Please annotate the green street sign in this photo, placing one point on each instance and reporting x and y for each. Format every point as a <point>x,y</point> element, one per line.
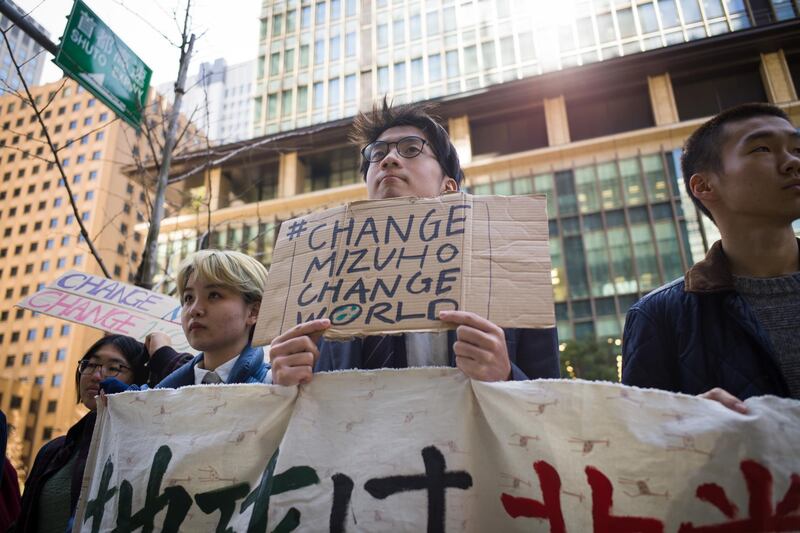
<point>96,58</point>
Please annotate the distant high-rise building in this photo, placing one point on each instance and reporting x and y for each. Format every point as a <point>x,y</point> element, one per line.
<point>218,100</point>
<point>28,53</point>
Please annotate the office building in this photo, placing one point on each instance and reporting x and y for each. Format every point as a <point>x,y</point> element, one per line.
<point>28,54</point>
<point>41,241</point>
<point>218,100</point>
<point>590,110</point>
<point>319,61</point>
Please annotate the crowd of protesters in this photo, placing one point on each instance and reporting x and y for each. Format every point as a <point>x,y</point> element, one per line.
<point>725,332</point>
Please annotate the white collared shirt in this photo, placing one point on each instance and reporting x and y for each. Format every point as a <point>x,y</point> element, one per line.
<point>223,371</point>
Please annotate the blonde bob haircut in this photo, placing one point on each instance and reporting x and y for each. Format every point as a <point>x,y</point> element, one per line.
<point>230,269</point>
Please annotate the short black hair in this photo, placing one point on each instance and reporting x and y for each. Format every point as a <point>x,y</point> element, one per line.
<point>367,127</point>
<point>132,350</point>
<point>701,152</point>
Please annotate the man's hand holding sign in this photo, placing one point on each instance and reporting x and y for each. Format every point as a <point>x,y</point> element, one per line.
<point>480,350</point>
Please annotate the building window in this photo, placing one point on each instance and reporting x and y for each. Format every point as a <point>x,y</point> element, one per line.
<point>335,47</point>
<point>350,88</point>
<point>319,95</point>
<point>332,168</point>
<point>383,80</point>
<point>400,76</point>
<point>333,92</point>
<point>48,332</point>
<point>43,356</point>
<point>61,354</point>
<point>275,64</point>
<point>52,405</point>
<point>319,52</point>
<point>613,113</point>
<point>382,35</point>
<point>319,16</point>
<point>504,134</point>
<point>707,94</point>
<point>277,25</point>
<point>286,103</point>
<point>65,329</point>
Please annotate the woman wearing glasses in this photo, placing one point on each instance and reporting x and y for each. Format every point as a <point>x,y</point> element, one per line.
<point>54,483</point>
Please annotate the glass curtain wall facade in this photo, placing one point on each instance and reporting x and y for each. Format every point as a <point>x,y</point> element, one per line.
<point>319,60</point>
<point>617,231</point>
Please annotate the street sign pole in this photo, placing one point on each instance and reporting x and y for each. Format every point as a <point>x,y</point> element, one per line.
<point>97,59</point>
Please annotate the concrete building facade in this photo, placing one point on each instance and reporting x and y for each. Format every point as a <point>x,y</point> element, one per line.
<point>41,241</point>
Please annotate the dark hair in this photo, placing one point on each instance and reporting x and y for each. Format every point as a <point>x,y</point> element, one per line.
<point>701,152</point>
<point>367,127</point>
<point>132,350</point>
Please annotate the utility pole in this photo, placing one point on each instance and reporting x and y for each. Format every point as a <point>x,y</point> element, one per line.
<point>147,268</point>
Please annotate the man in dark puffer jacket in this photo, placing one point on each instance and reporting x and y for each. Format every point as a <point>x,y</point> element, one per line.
<point>728,330</point>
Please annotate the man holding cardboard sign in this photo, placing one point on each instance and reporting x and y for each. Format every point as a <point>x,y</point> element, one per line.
<point>408,154</point>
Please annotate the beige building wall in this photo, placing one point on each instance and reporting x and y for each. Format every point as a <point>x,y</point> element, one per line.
<point>39,354</point>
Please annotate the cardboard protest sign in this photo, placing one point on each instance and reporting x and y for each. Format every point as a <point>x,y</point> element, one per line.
<point>387,266</point>
<point>428,449</point>
<point>110,306</point>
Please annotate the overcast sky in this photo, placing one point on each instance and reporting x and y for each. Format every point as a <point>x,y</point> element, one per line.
<point>224,28</point>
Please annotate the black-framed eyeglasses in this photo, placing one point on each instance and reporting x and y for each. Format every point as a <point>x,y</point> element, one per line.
<point>408,147</point>
<point>111,370</point>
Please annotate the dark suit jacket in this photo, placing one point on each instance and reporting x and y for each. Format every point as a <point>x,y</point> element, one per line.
<point>533,353</point>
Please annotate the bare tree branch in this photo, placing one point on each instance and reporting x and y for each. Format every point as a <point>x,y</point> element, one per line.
<point>149,24</point>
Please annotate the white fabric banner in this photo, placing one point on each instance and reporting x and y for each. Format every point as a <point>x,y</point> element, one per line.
<point>428,449</point>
